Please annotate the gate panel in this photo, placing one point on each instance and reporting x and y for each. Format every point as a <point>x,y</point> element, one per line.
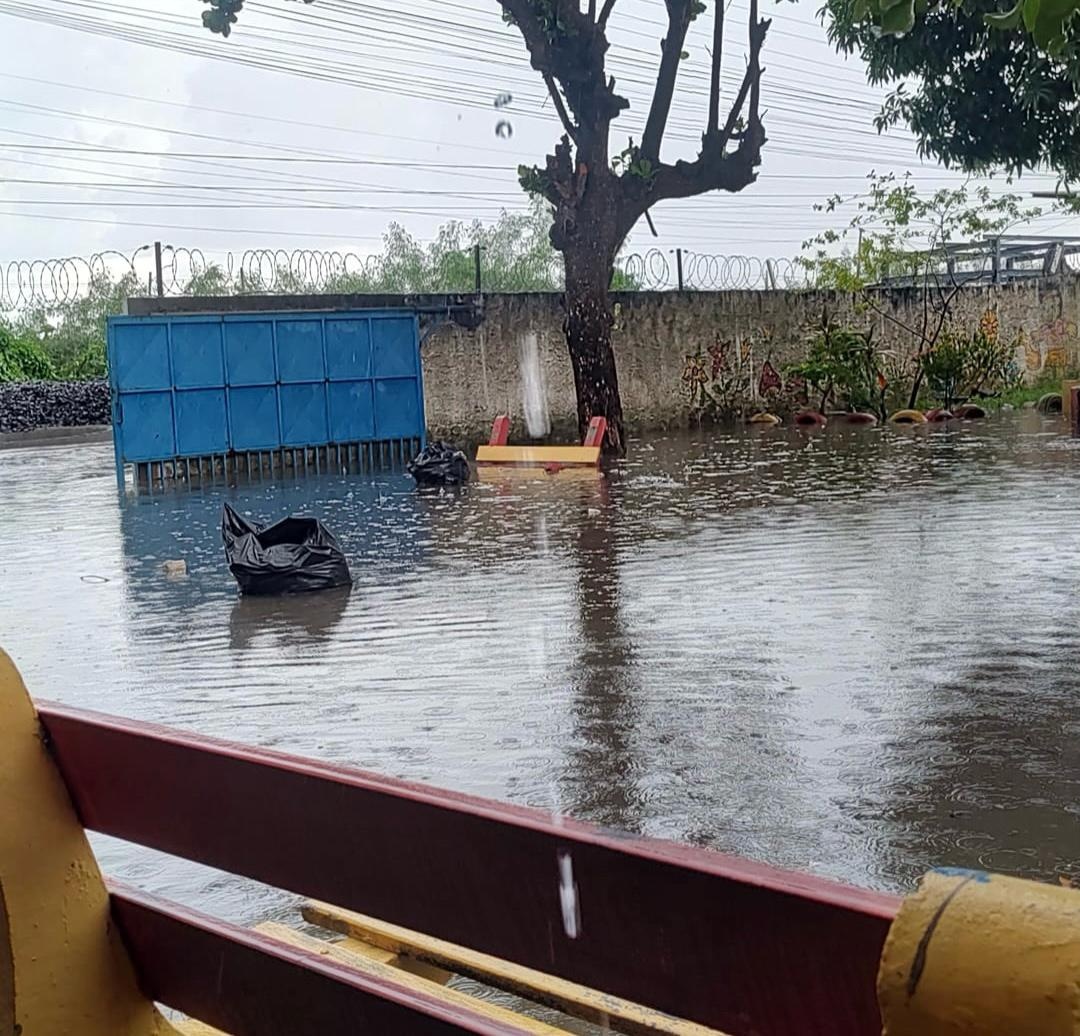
<point>352,411</point>
<point>249,352</point>
<point>141,357</point>
<point>254,416</point>
<point>196,356</point>
<point>148,425</point>
<point>300,350</point>
<point>348,349</point>
<point>393,357</point>
<point>208,386</point>
<point>201,422</point>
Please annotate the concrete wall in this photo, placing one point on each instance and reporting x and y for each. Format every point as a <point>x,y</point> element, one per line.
<point>471,375</point>
<point>475,367</point>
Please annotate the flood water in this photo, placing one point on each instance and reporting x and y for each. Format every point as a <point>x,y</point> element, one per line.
<point>855,653</point>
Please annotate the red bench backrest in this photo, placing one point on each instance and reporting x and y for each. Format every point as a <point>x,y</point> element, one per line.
<point>731,944</point>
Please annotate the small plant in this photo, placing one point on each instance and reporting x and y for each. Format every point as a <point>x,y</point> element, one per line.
<point>966,365</point>
<point>844,368</point>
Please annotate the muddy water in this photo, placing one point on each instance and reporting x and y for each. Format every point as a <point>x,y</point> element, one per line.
<point>856,653</point>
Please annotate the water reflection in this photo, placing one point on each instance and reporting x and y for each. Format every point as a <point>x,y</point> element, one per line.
<point>306,623</point>
<point>602,769</point>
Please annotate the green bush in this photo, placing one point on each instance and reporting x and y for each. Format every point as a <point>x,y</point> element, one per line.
<point>843,367</point>
<point>966,365</point>
<point>22,358</point>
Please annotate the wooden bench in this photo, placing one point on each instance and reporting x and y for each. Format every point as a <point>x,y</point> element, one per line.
<point>553,459</point>
<point>636,936</point>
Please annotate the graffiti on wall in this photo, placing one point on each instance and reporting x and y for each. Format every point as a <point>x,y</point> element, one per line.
<point>724,378</point>
<point>1052,347</point>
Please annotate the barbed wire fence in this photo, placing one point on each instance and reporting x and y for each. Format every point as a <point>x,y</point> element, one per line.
<point>170,271</point>
<point>165,270</point>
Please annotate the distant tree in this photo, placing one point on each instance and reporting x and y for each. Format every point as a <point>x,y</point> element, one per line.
<point>597,198</point>
<point>902,236</point>
<point>895,232</point>
<point>975,97</point>
<point>72,333</point>
<point>516,254</point>
<point>22,358</point>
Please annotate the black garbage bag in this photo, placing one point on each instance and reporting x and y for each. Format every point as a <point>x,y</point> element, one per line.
<point>293,556</point>
<point>440,464</point>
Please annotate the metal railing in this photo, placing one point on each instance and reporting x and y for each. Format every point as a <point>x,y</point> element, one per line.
<point>994,260</point>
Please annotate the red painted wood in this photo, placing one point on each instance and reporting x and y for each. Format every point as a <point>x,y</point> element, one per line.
<point>500,431</point>
<point>597,430</point>
<point>249,985</point>
<point>733,944</point>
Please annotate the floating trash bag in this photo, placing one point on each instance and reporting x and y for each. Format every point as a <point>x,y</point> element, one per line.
<point>440,464</point>
<point>293,556</point>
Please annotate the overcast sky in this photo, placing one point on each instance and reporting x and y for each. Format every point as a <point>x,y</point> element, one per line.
<point>414,90</point>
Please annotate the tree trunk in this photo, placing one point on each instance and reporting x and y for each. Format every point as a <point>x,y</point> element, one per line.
<point>588,325</point>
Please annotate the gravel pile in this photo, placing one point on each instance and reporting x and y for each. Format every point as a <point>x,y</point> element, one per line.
<point>52,404</point>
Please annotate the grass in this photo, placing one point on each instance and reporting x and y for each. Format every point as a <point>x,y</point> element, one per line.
<point>1030,392</point>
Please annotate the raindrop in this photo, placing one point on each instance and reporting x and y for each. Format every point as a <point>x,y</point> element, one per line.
<point>503,99</point>
<point>568,896</point>
<point>503,129</point>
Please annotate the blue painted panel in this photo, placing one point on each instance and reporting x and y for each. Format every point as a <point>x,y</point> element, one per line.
<point>397,408</point>
<point>395,352</point>
<point>303,415</point>
<point>249,352</point>
<point>253,414</point>
<point>348,349</point>
<point>196,355</point>
<point>300,350</point>
<point>140,358</point>
<point>352,411</point>
<point>193,385</point>
<point>147,426</point>
<point>201,425</point>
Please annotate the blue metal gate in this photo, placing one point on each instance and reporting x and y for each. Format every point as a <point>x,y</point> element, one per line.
<point>291,389</point>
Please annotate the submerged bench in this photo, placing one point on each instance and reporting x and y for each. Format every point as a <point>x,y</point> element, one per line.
<point>420,886</point>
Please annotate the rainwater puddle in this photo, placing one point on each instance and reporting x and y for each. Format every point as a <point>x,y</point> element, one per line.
<point>856,653</point>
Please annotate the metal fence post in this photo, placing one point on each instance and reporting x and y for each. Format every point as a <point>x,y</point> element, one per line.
<point>476,263</point>
<point>157,269</point>
<point>678,266</point>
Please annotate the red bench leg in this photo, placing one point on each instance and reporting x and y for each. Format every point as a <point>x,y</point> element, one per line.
<point>597,430</point>
<point>500,431</point>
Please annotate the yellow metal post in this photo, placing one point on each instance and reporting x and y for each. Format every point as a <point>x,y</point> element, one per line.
<point>983,955</point>
<point>63,968</point>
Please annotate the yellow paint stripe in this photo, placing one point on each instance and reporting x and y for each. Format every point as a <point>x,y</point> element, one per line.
<point>385,972</point>
<point>190,1027</point>
<point>586,455</point>
<point>569,997</point>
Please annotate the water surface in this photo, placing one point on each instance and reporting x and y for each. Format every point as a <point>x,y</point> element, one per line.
<point>855,653</point>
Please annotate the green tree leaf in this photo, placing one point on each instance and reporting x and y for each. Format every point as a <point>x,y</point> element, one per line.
<point>899,19</point>
<point>1006,19</point>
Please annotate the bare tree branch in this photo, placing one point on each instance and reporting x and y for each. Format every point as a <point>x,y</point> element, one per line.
<point>592,10</point>
<point>734,115</point>
<point>556,98</point>
<point>715,168</point>
<point>757,36</point>
<point>670,58</point>
<point>605,13</point>
<point>717,60</point>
